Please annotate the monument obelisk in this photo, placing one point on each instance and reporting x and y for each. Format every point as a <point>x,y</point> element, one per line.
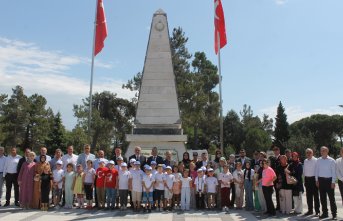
<point>158,121</point>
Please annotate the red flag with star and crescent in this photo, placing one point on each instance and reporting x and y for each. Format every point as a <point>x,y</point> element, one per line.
<point>219,26</point>
<point>101,28</point>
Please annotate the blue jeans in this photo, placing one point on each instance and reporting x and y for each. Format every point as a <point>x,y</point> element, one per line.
<point>249,203</point>
<point>111,195</point>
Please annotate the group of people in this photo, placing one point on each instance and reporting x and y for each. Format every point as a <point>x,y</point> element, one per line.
<point>161,183</point>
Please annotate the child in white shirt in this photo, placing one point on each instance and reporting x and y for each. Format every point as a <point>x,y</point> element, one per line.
<point>148,183</point>
<point>123,185</point>
<point>238,178</point>
<point>225,178</point>
<point>168,190</point>
<point>159,187</point>
<point>58,175</point>
<point>136,182</point>
<point>211,188</point>
<point>186,183</point>
<point>199,185</point>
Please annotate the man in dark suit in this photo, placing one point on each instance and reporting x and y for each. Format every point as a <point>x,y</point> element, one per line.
<point>275,162</point>
<point>203,162</point>
<point>117,153</point>
<point>139,157</point>
<point>242,158</point>
<point>155,157</point>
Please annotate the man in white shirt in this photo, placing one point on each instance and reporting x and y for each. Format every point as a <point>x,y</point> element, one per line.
<point>310,183</point>
<point>2,165</point>
<point>11,176</point>
<point>43,151</point>
<point>339,169</point>
<point>325,180</point>
<point>70,157</point>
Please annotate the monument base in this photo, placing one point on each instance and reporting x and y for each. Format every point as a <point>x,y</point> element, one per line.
<point>174,143</point>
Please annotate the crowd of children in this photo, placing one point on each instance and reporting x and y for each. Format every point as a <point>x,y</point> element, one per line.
<point>158,187</point>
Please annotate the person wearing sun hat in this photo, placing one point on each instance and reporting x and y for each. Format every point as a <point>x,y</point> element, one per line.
<point>123,185</point>
<point>110,185</point>
<point>136,183</point>
<point>148,183</point>
<point>211,183</point>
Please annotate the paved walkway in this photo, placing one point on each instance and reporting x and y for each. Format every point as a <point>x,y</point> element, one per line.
<point>14,213</point>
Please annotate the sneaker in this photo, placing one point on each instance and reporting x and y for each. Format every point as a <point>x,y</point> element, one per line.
<point>323,216</point>
<point>224,209</point>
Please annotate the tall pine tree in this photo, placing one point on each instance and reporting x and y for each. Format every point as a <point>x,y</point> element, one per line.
<point>281,132</point>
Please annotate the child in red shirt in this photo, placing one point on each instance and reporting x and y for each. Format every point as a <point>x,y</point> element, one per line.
<point>100,183</point>
<point>111,181</point>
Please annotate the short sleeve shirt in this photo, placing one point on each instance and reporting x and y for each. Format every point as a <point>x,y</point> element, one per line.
<point>226,179</point>
<point>89,173</point>
<point>159,179</point>
<point>170,179</point>
<point>137,177</point>
<point>58,176</point>
<point>185,181</point>
<point>148,180</point>
<point>124,180</point>
<point>212,184</point>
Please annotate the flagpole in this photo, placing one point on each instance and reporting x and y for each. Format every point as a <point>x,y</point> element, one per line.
<point>220,98</point>
<point>92,72</point>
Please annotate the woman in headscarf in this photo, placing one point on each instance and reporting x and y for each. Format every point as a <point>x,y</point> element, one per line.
<point>186,160</point>
<point>296,170</point>
<point>25,181</point>
<point>39,168</point>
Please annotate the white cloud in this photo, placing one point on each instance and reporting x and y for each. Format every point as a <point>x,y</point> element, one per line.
<point>49,74</point>
<point>295,113</point>
<point>280,2</point>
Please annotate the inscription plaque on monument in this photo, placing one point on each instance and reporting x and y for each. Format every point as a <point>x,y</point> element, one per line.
<point>158,121</point>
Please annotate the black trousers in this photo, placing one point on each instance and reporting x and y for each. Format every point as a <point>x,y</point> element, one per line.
<point>200,200</point>
<point>312,194</point>
<point>233,194</point>
<point>277,195</point>
<point>12,179</point>
<point>340,185</point>
<point>267,193</point>
<point>326,190</point>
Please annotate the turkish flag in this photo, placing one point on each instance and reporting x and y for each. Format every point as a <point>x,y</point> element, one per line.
<point>101,28</point>
<point>219,26</point>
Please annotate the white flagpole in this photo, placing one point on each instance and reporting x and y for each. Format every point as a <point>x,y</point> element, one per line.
<point>92,71</point>
<point>220,97</point>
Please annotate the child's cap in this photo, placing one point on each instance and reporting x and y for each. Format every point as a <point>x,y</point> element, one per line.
<point>200,170</point>
<point>59,162</point>
<point>210,170</point>
<point>148,168</point>
<point>168,168</point>
<point>79,165</point>
<point>137,162</point>
<point>160,165</point>
<point>120,158</point>
<point>153,163</point>
<point>123,165</point>
<point>203,168</point>
<point>102,161</point>
<point>132,160</point>
<point>111,162</point>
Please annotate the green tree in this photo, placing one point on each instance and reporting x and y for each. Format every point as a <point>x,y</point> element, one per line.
<point>281,132</point>
<point>57,136</point>
<point>233,131</point>
<point>111,118</point>
<point>39,122</point>
<point>77,137</point>
<point>15,117</point>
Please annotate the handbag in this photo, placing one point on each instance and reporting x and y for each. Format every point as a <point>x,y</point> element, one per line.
<point>291,180</point>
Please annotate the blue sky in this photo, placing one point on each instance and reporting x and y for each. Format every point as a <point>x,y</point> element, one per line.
<point>278,50</point>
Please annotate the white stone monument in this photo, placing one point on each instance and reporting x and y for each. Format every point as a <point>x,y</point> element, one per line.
<point>158,121</point>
